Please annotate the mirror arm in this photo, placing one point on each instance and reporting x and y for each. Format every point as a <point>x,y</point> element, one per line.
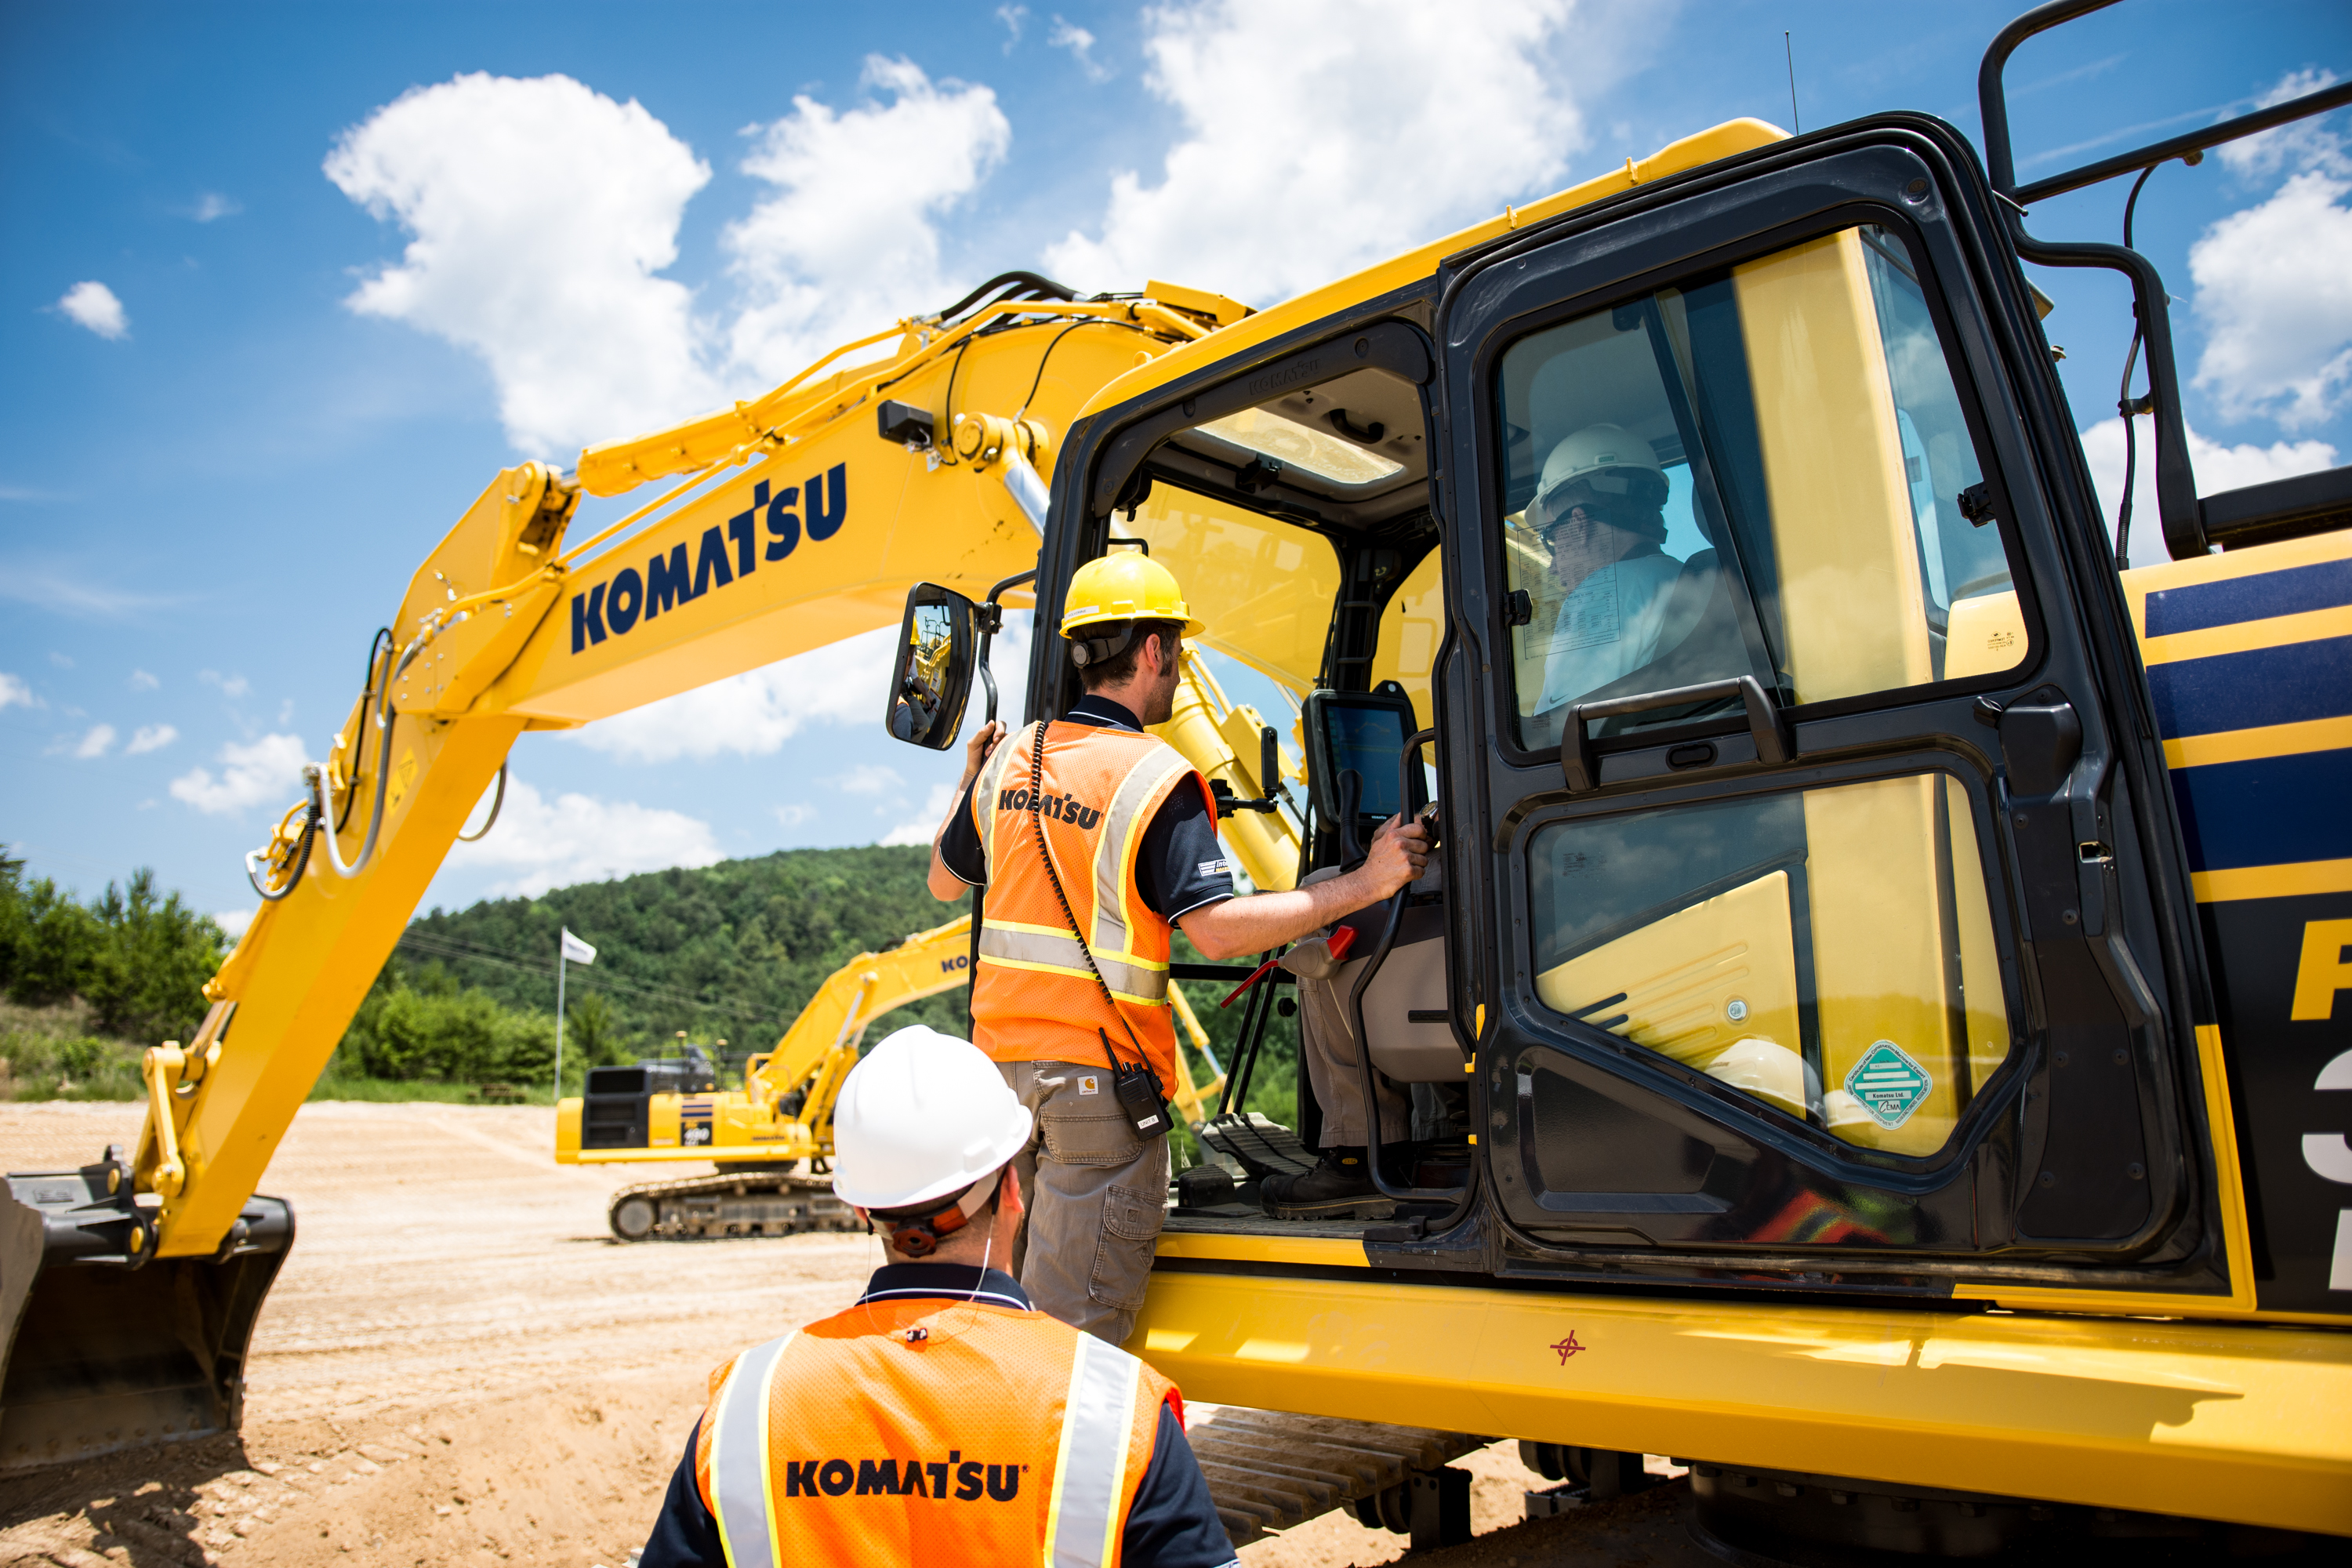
<point>991,621</point>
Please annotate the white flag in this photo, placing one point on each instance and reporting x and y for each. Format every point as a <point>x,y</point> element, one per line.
<point>577,951</point>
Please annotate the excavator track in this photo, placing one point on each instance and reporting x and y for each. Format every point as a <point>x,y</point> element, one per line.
<point>732,1203</point>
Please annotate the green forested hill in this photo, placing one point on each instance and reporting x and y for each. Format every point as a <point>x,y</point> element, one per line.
<point>729,952</point>
<point>732,951</point>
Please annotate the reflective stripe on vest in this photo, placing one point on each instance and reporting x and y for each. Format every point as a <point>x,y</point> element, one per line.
<point>983,798</point>
<point>738,1458</point>
<point>1083,1521</point>
<point>1052,952</point>
<point>1122,827</point>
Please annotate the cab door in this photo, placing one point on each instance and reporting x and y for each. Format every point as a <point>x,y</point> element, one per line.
<point>1830,896</point>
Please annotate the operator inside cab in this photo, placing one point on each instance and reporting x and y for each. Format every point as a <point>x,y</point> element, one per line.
<point>1096,841</point>
<point>940,1418</point>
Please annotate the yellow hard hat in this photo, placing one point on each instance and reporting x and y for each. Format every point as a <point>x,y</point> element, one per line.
<point>1125,585</point>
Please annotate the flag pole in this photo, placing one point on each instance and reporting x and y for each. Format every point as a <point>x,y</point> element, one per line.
<point>559,1020</point>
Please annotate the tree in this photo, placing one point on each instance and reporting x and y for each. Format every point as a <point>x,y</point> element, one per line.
<point>149,977</point>
<point>60,946</point>
<point>591,1031</point>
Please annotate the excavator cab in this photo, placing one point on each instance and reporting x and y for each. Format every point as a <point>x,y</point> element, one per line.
<point>1806,894</point>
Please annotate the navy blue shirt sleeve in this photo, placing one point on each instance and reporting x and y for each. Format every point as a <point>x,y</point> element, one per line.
<point>1181,865</point>
<point>1173,1523</point>
<point>685,1534</point>
<point>960,845</point>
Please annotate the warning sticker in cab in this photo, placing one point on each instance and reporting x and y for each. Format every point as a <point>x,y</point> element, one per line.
<point>1889,1083</point>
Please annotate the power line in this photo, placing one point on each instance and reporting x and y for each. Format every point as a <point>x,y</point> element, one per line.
<point>438,946</point>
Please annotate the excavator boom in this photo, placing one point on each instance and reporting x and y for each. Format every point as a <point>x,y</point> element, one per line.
<point>801,518</point>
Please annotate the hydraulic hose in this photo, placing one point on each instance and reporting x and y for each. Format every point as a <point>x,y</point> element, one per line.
<point>301,858</point>
<point>315,777</point>
<point>497,802</point>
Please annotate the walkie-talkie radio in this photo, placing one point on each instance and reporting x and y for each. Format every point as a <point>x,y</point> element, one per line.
<point>1140,1096</point>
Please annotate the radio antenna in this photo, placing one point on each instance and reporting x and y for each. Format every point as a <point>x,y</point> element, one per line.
<point>1789,49</point>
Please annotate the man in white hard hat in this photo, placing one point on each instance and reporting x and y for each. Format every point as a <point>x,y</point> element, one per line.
<point>1600,505</point>
<point>941,1419</point>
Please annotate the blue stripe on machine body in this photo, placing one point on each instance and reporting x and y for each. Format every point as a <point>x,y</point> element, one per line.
<point>2270,811</point>
<point>2260,687</point>
<point>2260,597</point>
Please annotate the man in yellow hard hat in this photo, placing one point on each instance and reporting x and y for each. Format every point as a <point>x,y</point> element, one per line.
<point>1095,842</point>
<point>941,1419</point>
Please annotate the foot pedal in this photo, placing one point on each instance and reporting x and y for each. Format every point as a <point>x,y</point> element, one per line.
<point>1264,1148</point>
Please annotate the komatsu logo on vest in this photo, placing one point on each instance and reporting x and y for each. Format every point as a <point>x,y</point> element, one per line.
<point>965,1480</point>
<point>616,607</point>
<point>1060,807</point>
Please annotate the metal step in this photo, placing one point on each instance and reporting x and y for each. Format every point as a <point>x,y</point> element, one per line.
<point>1269,1470</point>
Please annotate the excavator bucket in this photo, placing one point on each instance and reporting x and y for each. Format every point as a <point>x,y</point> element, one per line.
<point>108,1346</point>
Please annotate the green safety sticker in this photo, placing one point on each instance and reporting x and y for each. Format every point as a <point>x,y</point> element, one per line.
<point>1889,1083</point>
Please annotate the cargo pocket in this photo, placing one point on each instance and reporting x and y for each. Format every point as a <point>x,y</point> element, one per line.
<point>1089,1140</point>
<point>1131,1222</point>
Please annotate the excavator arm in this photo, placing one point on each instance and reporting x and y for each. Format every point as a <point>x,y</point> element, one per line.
<point>128,1288</point>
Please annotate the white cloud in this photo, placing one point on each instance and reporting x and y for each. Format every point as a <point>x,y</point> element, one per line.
<point>1321,136</point>
<point>1081,43</point>
<point>580,838</point>
<point>151,738</point>
<point>754,713</point>
<point>848,243</point>
<point>917,829</point>
<point>1012,16</point>
<point>793,816</point>
<point>213,206</point>
<point>93,305</point>
<point>13,692</point>
<point>269,770</point>
<point>2218,467</point>
<point>234,921</point>
<point>93,744</point>
<point>142,681</point>
<point>2274,280</point>
<point>867,778</point>
<point>2306,143</point>
<point>230,686</point>
<point>63,662</point>
<point>542,212</point>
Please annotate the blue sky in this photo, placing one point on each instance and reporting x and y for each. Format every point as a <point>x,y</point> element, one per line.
<point>241,409</point>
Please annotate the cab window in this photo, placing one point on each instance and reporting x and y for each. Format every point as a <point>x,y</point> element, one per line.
<point>1758,471</point>
<point>1828,953</point>
<point>1263,586</point>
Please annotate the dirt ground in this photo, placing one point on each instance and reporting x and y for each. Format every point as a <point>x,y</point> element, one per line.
<point>458,1366</point>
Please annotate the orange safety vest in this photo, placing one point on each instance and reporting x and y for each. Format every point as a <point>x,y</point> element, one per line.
<point>932,1431</point>
<point>1033,997</point>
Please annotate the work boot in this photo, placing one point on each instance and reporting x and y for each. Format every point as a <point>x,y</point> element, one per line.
<point>1338,1187</point>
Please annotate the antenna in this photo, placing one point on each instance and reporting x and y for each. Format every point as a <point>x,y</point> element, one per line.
<point>1789,49</point>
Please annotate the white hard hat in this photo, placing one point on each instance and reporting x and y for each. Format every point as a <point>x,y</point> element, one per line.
<point>924,1115</point>
<point>1609,456</point>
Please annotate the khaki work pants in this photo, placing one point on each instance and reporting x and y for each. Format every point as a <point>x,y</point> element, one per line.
<point>1097,1195</point>
<point>1328,1046</point>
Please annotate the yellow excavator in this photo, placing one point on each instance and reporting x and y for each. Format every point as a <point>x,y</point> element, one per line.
<point>770,1138</point>
<point>1874,1023</point>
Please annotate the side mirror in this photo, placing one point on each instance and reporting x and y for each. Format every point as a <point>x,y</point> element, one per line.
<point>932,676</point>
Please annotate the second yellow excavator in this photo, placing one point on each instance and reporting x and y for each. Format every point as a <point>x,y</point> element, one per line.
<point>770,1137</point>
